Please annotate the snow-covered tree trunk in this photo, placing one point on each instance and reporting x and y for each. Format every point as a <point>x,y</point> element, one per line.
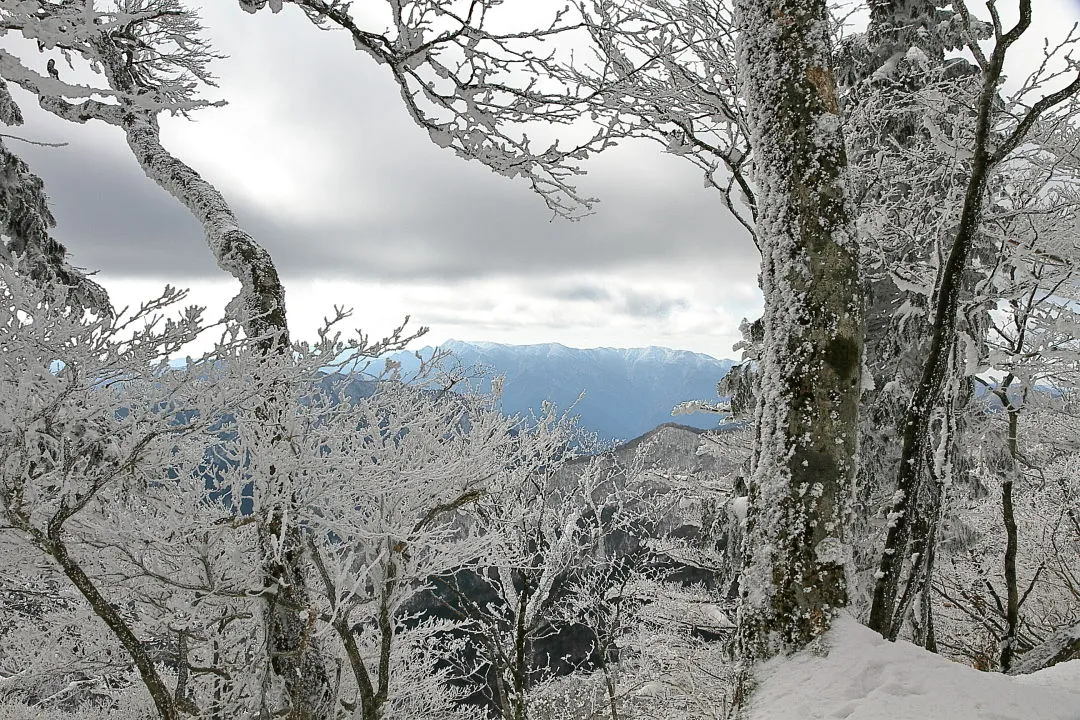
<point>260,306</point>
<point>988,149</point>
<point>295,655</point>
<point>904,53</point>
<point>794,576</point>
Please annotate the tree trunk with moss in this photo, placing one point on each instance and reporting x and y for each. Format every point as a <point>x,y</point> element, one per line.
<point>794,574</point>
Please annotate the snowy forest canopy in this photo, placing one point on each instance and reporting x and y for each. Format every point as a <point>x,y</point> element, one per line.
<point>265,531</point>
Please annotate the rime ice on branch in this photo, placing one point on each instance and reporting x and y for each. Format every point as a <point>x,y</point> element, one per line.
<point>477,82</point>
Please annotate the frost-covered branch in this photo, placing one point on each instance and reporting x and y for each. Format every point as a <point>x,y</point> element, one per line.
<point>92,417</point>
<point>25,221</point>
<point>666,71</point>
<point>478,85</point>
<point>886,615</point>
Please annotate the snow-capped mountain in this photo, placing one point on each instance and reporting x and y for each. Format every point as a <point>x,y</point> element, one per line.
<point>627,392</point>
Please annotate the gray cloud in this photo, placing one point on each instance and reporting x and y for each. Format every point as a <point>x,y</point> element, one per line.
<point>471,233</point>
<point>652,306</point>
<point>581,292</point>
<point>112,218</point>
<point>115,219</point>
<point>362,194</point>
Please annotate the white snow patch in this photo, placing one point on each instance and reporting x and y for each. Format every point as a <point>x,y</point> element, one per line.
<point>652,689</point>
<point>853,673</point>
<point>1062,675</point>
<point>833,551</point>
<point>917,57</point>
<point>739,506</point>
<point>716,616</point>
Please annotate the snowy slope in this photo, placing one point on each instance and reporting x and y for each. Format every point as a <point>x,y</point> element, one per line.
<point>863,677</point>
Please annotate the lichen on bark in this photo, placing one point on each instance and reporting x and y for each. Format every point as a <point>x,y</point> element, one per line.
<point>794,575</point>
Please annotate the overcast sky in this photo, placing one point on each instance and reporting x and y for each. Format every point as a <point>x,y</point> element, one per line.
<point>322,165</point>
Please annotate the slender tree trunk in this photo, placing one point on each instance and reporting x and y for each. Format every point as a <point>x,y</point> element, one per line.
<point>159,692</point>
<point>917,431</point>
<point>1008,516</point>
<point>521,653</point>
<point>917,435</point>
<point>260,306</point>
<point>294,652</point>
<point>929,640</point>
<point>894,346</point>
<point>794,578</point>
<point>369,702</point>
<point>386,625</point>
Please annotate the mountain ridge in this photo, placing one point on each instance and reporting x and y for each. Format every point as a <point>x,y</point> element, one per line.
<point>627,391</point>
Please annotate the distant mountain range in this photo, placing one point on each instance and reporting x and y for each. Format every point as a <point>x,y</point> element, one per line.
<point>627,392</point>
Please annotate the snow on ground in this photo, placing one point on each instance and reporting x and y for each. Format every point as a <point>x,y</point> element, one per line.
<point>852,673</point>
<point>1064,675</point>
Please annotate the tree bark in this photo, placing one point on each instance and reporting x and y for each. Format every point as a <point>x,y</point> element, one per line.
<point>794,577</point>
<point>1008,518</point>
<point>260,306</point>
<point>54,544</point>
<point>294,652</point>
<point>894,346</point>
<point>886,615</point>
